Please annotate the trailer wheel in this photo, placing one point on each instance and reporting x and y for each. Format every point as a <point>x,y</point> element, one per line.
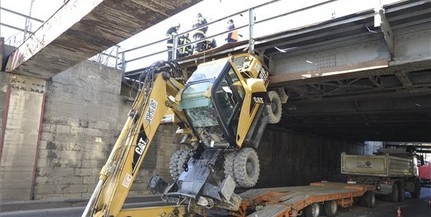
<point>246,167</point>
<point>369,199</point>
<point>313,210</point>
<point>275,109</point>
<point>330,208</point>
<point>228,164</point>
<point>394,196</point>
<point>177,162</point>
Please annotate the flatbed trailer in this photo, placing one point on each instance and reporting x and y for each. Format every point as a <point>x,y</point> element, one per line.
<point>305,200</point>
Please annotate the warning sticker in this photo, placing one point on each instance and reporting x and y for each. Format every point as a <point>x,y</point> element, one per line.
<point>127,180</point>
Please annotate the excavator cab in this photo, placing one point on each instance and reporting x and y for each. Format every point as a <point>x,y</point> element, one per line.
<point>212,103</point>
<point>224,108</point>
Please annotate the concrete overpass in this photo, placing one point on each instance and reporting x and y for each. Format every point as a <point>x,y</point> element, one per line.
<point>81,29</point>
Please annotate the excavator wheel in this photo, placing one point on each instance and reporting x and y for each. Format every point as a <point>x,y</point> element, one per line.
<point>246,167</point>
<point>275,109</point>
<point>177,162</point>
<point>228,164</point>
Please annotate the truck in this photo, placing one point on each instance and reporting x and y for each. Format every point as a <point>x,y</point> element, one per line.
<point>425,174</point>
<point>392,171</point>
<point>221,111</point>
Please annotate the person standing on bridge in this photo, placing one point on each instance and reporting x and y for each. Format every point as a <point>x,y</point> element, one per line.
<point>199,22</point>
<point>171,33</point>
<point>186,48</point>
<point>232,36</point>
<point>199,33</point>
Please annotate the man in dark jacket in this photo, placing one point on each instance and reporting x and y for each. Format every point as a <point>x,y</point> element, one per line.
<point>185,50</point>
<point>173,31</point>
<point>200,21</point>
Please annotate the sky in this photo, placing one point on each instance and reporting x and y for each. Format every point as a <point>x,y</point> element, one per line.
<point>211,9</point>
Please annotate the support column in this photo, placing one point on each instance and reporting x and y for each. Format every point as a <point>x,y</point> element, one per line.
<point>21,127</point>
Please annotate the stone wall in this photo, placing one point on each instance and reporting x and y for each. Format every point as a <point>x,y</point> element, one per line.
<point>84,114</point>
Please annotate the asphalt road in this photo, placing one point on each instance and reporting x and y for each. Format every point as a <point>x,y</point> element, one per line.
<point>409,208</point>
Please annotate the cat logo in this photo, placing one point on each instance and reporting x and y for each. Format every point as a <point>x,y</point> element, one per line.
<point>141,146</point>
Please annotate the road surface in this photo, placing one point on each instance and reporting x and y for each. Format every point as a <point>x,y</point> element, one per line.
<point>409,208</point>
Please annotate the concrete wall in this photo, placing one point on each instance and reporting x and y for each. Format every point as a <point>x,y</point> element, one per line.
<point>22,110</point>
<point>3,94</point>
<point>84,113</point>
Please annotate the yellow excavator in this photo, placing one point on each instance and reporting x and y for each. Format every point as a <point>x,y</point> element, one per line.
<point>221,112</point>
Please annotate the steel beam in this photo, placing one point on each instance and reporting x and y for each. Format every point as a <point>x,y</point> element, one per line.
<point>387,30</point>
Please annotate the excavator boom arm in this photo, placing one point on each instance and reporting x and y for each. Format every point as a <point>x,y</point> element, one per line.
<point>122,166</point>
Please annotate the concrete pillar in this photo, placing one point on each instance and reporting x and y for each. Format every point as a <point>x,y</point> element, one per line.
<point>22,105</point>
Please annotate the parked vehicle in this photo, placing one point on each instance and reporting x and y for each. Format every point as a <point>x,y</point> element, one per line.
<point>425,174</point>
<point>392,171</point>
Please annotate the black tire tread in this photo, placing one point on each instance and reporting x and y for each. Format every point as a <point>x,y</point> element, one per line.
<point>274,118</point>
<point>240,168</point>
<point>177,161</point>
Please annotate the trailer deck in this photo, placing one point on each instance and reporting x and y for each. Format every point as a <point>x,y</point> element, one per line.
<point>290,201</point>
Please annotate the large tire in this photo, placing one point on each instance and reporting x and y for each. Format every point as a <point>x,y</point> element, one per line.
<point>228,164</point>
<point>177,162</point>
<point>330,208</point>
<point>369,199</point>
<point>394,196</point>
<point>275,109</point>
<point>246,168</point>
<point>417,193</point>
<point>313,210</point>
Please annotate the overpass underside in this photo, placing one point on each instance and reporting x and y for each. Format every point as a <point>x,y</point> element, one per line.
<point>81,29</point>
<point>349,78</point>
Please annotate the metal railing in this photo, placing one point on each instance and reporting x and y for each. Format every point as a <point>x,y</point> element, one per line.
<point>23,33</point>
<point>249,27</point>
<point>109,57</point>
